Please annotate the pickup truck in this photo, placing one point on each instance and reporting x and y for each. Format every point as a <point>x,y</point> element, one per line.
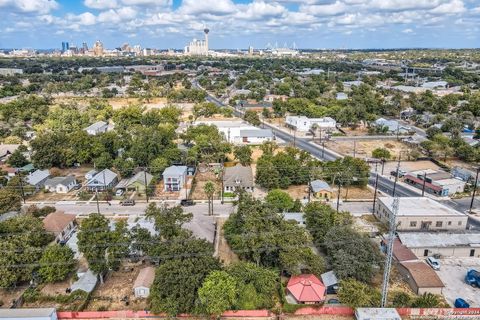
<point>473,278</point>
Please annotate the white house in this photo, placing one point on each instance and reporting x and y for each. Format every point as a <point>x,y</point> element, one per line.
<point>239,132</point>
<point>97,128</point>
<point>60,184</point>
<point>90,174</point>
<point>103,180</point>
<point>141,286</point>
<point>302,123</point>
<point>174,178</point>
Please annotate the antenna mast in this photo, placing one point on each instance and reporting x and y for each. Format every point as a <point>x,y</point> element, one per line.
<point>388,261</point>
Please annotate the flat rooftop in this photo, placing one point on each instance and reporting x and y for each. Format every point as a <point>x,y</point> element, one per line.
<point>420,206</point>
<point>439,240</point>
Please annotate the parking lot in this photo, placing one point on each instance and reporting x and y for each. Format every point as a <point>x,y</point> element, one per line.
<point>452,272</point>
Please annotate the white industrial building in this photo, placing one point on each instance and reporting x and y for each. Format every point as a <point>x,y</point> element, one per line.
<point>451,244</point>
<point>239,132</point>
<point>302,123</point>
<point>420,214</point>
<point>437,182</point>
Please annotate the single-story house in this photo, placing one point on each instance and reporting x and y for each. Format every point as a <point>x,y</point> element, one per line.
<point>321,189</point>
<point>27,168</point>
<point>60,184</point>
<point>105,179</point>
<point>37,178</point>
<point>330,282</point>
<point>60,224</point>
<point>174,178</point>
<point>29,314</point>
<point>306,289</point>
<point>137,182</point>
<point>87,281</point>
<point>144,281</point>
<point>238,177</point>
<point>341,96</point>
<point>90,174</point>
<point>295,216</point>
<point>421,277</point>
<point>304,124</point>
<point>393,126</point>
<point>97,128</point>
<point>255,136</point>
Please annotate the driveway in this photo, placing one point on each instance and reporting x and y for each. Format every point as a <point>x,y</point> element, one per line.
<point>452,273</point>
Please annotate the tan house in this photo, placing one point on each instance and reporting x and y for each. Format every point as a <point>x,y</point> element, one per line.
<point>59,224</point>
<point>144,281</point>
<point>321,189</point>
<point>421,277</point>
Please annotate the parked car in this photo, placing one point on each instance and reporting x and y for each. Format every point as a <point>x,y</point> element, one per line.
<point>401,173</point>
<point>187,202</point>
<point>434,263</point>
<point>119,193</point>
<point>333,301</point>
<point>473,278</point>
<point>460,303</point>
<point>127,203</point>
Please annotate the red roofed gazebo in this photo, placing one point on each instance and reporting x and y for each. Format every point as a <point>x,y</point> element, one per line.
<point>306,288</point>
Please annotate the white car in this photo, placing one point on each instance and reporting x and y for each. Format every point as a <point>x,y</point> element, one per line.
<point>434,263</point>
<point>119,192</point>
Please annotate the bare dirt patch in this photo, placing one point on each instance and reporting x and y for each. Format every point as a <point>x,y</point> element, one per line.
<point>364,148</point>
<point>117,286</point>
<point>200,180</point>
<point>353,192</point>
<point>224,253</point>
<point>408,166</point>
<point>360,131</point>
<point>8,296</point>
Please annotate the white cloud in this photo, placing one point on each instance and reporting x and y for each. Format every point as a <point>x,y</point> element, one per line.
<point>101,4</point>
<point>116,16</point>
<point>207,6</point>
<point>86,19</point>
<point>147,2</point>
<point>455,6</point>
<point>326,9</point>
<point>408,30</point>
<point>400,5</point>
<point>30,6</point>
<point>260,10</point>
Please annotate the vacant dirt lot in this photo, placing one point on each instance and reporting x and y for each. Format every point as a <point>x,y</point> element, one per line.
<point>353,192</point>
<point>224,253</point>
<point>407,166</point>
<point>7,296</point>
<point>200,180</point>
<point>117,286</point>
<point>364,148</point>
<point>361,131</point>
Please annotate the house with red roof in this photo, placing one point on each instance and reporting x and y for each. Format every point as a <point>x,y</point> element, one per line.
<point>306,289</point>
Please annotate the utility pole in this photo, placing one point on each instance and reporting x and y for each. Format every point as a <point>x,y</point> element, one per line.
<point>338,195</point>
<point>21,188</point>
<point>424,183</point>
<point>96,197</point>
<point>354,148</point>
<point>294,137</point>
<point>309,186</point>
<point>383,165</point>
<point>323,150</point>
<point>388,261</point>
<point>223,171</point>
<point>146,183</point>
<point>375,193</point>
<point>396,175</point>
<point>474,191</point>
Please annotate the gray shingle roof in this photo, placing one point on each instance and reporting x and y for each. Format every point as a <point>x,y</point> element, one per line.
<point>329,278</point>
<point>238,176</point>
<point>108,174</point>
<point>86,282</point>
<point>253,133</point>
<point>37,176</point>
<point>53,182</point>
<point>175,171</point>
<point>96,125</point>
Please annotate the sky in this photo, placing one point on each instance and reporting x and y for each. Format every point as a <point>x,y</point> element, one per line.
<point>237,24</point>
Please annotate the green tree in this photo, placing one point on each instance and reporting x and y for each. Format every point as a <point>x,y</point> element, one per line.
<point>17,159</point>
<point>10,200</point>
<point>243,154</point>
<point>177,281</point>
<point>356,294</point>
<point>209,189</point>
<point>279,200</point>
<point>427,300</point>
<point>158,165</point>
<point>320,218</point>
<point>56,263</point>
<point>94,239</point>
<point>401,300</point>
<point>218,292</point>
<point>168,221</point>
<point>252,117</point>
<point>381,153</point>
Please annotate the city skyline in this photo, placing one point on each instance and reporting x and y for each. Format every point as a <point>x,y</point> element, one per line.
<point>311,24</point>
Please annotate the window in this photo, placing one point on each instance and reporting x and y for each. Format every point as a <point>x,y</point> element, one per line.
<point>439,224</point>
<point>413,223</point>
<point>459,223</point>
<point>425,252</point>
<point>449,223</point>
<point>472,252</point>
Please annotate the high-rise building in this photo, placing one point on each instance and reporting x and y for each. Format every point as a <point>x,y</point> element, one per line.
<point>65,46</point>
<point>98,48</point>
<point>198,47</point>
<point>84,47</point>
<point>250,50</point>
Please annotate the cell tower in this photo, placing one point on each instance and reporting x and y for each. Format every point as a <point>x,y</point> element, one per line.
<point>388,261</point>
